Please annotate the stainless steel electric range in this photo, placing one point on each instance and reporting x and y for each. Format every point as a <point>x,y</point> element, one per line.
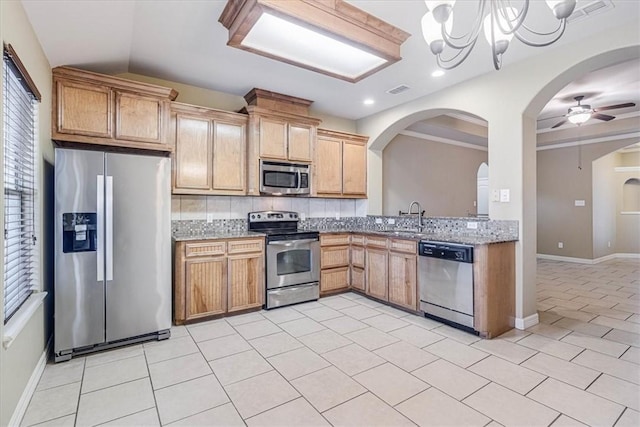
<point>293,258</point>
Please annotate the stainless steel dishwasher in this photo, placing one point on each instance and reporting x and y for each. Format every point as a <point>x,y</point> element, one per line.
<point>445,279</point>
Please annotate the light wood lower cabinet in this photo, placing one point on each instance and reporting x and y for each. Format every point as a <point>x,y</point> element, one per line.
<point>334,263</point>
<point>214,277</point>
<point>246,281</point>
<point>402,279</point>
<point>377,273</point>
<point>205,286</point>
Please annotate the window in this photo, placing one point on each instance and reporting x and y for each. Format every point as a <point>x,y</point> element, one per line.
<point>20,100</point>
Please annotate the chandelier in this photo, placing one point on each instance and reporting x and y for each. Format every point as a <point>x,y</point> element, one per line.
<point>500,21</point>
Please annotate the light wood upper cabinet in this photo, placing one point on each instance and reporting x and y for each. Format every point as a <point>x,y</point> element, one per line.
<point>246,281</point>
<point>192,165</point>
<point>138,118</point>
<point>301,142</point>
<point>273,138</point>
<point>92,108</point>
<point>340,165</point>
<point>328,166</point>
<point>229,156</point>
<point>83,109</point>
<point>402,279</point>
<point>205,287</point>
<point>354,168</point>
<point>210,150</point>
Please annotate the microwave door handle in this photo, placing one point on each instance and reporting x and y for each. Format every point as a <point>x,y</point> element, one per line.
<point>299,179</point>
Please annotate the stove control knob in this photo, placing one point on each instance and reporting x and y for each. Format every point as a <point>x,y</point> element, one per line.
<point>258,216</point>
<point>253,216</point>
<point>294,215</point>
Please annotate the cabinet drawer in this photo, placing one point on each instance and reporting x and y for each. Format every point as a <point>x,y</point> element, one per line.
<point>205,249</point>
<point>357,278</point>
<point>378,242</point>
<point>408,246</point>
<point>244,245</point>
<point>334,256</point>
<point>334,279</point>
<point>334,239</point>
<point>357,239</point>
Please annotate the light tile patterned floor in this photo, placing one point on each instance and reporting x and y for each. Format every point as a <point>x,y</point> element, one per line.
<point>347,360</point>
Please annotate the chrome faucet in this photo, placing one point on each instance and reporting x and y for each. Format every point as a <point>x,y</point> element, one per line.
<point>420,225</point>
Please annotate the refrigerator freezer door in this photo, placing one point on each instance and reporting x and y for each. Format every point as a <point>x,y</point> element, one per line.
<point>79,294</point>
<point>138,262</point>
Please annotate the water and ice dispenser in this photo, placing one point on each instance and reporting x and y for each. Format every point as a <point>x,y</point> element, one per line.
<point>79,232</point>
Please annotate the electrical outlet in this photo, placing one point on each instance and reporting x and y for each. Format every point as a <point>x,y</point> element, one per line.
<point>391,221</point>
<point>472,225</point>
<point>337,215</point>
<point>378,220</point>
<point>209,217</point>
<point>560,245</point>
<point>303,216</point>
<point>579,203</point>
<point>608,244</point>
<point>475,203</point>
<point>495,196</point>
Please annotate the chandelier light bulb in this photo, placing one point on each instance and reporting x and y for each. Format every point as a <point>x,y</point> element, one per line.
<point>441,9</point>
<point>561,8</point>
<point>432,32</point>
<point>501,39</point>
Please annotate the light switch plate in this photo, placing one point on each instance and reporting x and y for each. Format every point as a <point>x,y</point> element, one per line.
<point>378,220</point>
<point>209,217</point>
<point>504,195</point>
<point>579,203</point>
<point>391,221</point>
<point>472,225</point>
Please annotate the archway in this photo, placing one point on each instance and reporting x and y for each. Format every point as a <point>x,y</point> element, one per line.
<point>510,101</point>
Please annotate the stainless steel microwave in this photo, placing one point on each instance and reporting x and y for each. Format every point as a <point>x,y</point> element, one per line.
<point>280,178</point>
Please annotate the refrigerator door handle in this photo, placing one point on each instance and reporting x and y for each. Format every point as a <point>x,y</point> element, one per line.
<point>109,228</point>
<point>100,231</point>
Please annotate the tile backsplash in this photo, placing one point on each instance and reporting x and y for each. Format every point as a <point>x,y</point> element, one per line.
<point>191,208</point>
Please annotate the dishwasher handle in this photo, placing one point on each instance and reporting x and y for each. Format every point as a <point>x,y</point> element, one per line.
<point>447,251</point>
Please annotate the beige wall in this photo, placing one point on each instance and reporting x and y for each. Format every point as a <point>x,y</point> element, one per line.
<point>442,177</point>
<point>17,363</point>
<point>225,101</point>
<point>559,184</point>
<point>605,197</point>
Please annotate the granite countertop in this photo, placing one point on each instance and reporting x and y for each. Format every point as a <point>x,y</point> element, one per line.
<point>435,237</point>
<point>400,234</point>
<point>212,235</point>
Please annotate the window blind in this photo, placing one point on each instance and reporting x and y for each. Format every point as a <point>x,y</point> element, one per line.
<point>20,124</point>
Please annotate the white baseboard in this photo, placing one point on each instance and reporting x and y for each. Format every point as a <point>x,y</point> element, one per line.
<point>527,322</point>
<point>586,260</point>
<point>28,391</point>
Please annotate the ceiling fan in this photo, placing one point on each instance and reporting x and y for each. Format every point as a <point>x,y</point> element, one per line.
<point>580,113</point>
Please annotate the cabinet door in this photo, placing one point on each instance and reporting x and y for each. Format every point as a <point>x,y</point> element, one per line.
<point>192,154</point>
<point>402,279</point>
<point>334,256</point>
<point>354,169</point>
<point>300,142</point>
<point>84,109</point>
<point>334,279</point>
<point>246,281</point>
<point>377,283</point>
<point>138,118</point>
<point>328,166</point>
<point>229,151</point>
<point>357,256</point>
<point>358,278</point>
<point>273,139</point>
<point>206,283</point>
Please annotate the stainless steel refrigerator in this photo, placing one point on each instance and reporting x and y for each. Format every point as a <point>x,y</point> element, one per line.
<point>112,249</point>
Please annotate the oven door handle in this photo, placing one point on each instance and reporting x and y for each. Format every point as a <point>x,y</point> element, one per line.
<point>291,242</point>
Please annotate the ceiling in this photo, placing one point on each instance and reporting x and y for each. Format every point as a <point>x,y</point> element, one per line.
<point>183,41</point>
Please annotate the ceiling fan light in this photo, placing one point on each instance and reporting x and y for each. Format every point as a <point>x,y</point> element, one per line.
<point>579,118</point>
<point>561,8</point>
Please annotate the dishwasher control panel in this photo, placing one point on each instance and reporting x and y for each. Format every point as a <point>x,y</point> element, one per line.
<point>448,251</point>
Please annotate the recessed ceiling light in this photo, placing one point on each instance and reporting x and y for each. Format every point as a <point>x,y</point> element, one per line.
<point>437,73</point>
<point>368,101</point>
